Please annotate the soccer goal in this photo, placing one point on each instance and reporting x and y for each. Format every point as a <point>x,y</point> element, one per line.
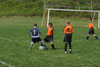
<point>50,16</point>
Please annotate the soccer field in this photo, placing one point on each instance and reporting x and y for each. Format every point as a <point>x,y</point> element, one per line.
<point>15,41</point>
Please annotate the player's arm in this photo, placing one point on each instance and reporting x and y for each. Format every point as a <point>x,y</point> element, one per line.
<point>94,27</point>
<point>72,30</point>
<point>39,32</point>
<point>52,29</point>
<point>64,30</point>
<point>30,33</point>
<point>86,26</point>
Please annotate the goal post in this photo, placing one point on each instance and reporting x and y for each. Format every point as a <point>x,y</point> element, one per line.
<point>48,17</point>
<point>99,19</point>
<point>70,10</point>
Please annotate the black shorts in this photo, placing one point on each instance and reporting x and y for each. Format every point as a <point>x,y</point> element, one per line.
<point>34,40</point>
<point>91,31</point>
<point>48,39</point>
<point>68,38</point>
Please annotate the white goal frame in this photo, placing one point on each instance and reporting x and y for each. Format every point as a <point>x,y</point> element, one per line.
<point>52,9</point>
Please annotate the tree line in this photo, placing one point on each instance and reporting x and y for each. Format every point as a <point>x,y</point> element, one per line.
<point>35,7</point>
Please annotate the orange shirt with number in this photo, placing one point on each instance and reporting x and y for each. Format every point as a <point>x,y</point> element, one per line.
<point>68,29</point>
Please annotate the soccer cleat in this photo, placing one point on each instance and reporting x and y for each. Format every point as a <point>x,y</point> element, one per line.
<point>54,48</point>
<point>65,52</point>
<point>97,39</point>
<point>86,39</point>
<point>46,48</point>
<point>70,52</point>
<point>30,48</point>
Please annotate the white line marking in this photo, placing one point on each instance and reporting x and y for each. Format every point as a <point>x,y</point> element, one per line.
<point>5,39</point>
<point>1,38</point>
<point>1,62</point>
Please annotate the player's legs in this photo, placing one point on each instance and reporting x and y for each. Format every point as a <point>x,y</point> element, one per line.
<point>43,44</point>
<point>65,47</point>
<point>34,40</point>
<point>52,44</point>
<point>50,39</point>
<point>70,48</point>
<point>87,36</point>
<point>31,45</point>
<point>91,32</point>
<point>45,40</point>
<point>68,40</point>
<point>95,36</point>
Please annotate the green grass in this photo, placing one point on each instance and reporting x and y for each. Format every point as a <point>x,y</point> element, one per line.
<point>14,46</point>
<point>75,21</point>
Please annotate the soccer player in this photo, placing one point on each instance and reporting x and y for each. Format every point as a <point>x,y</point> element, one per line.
<point>68,30</point>
<point>34,33</point>
<point>91,30</point>
<point>49,37</point>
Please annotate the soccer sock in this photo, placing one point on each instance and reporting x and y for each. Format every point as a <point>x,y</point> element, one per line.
<point>70,50</point>
<point>43,44</point>
<point>87,37</point>
<point>53,47</point>
<point>31,46</point>
<point>65,46</point>
<point>96,37</point>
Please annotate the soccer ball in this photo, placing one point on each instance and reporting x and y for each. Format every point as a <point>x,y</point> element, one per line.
<point>41,48</point>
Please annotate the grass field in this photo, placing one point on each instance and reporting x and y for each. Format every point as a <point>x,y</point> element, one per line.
<point>14,46</point>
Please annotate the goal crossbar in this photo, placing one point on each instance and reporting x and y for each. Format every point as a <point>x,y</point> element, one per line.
<point>72,10</point>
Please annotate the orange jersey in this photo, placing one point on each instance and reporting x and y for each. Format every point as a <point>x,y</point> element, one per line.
<point>68,29</point>
<point>50,31</point>
<point>90,26</point>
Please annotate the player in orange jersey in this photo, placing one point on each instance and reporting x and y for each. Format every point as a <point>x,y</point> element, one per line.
<point>49,37</point>
<point>91,30</point>
<point>68,30</point>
